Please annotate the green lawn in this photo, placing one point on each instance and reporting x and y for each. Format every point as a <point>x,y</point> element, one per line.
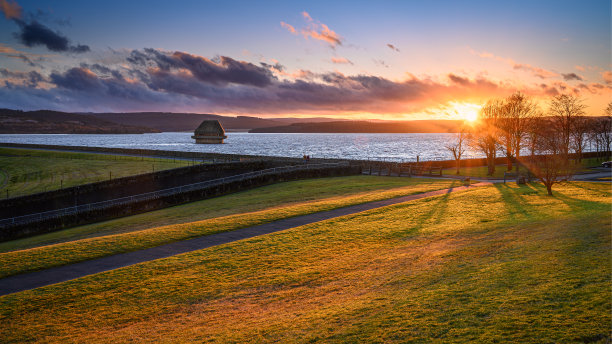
<point>215,215</point>
<point>27,171</point>
<point>477,172</point>
<point>488,265</point>
<point>481,171</point>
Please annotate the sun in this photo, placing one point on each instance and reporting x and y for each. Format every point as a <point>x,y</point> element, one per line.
<point>471,116</point>
<point>466,111</point>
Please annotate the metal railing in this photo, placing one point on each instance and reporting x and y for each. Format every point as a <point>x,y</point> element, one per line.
<point>24,219</point>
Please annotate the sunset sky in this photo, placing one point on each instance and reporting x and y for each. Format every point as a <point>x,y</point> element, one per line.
<point>350,59</point>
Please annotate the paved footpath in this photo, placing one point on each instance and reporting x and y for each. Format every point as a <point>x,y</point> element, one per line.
<point>13,284</point>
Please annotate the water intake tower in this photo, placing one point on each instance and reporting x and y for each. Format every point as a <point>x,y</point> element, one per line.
<point>209,131</point>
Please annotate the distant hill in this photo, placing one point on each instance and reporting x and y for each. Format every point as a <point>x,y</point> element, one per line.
<point>166,121</point>
<point>55,122</point>
<point>423,126</point>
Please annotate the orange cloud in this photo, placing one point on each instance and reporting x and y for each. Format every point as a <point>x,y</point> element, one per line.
<point>5,49</point>
<point>341,60</point>
<point>607,76</point>
<point>27,58</point>
<point>536,71</point>
<point>323,33</point>
<point>288,27</point>
<point>392,47</point>
<point>316,30</point>
<point>11,9</point>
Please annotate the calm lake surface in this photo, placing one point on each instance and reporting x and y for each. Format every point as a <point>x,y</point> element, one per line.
<point>394,147</point>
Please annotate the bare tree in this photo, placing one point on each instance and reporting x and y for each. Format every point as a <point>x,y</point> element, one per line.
<point>578,135</point>
<point>533,125</point>
<point>600,132</point>
<point>517,113</point>
<point>565,109</point>
<point>458,146</point>
<point>552,165</point>
<point>485,133</point>
<point>605,125</point>
<point>504,138</point>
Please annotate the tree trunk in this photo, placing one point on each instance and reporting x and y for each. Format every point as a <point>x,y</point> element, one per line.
<point>458,165</point>
<point>490,166</point>
<point>549,189</point>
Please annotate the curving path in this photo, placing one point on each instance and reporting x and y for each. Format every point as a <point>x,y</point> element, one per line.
<point>17,283</point>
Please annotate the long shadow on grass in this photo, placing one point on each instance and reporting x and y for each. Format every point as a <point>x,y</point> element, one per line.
<point>578,204</point>
<point>591,187</point>
<point>515,203</point>
<point>438,207</point>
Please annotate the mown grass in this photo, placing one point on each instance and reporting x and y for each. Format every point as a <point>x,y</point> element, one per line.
<point>248,201</point>
<point>478,172</point>
<point>524,268</point>
<point>243,210</point>
<point>481,171</point>
<point>27,171</point>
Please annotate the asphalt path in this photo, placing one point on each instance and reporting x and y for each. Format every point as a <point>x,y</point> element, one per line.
<point>17,283</point>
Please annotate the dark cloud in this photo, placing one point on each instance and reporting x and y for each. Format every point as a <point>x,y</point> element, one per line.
<point>77,79</point>
<point>36,34</point>
<point>458,79</point>
<point>277,66</point>
<point>392,47</point>
<point>41,15</point>
<point>381,63</point>
<point>549,90</point>
<point>180,79</point>
<point>155,80</point>
<point>223,71</point>
<point>30,79</point>
<point>102,71</point>
<point>79,84</point>
<point>24,58</point>
<point>572,76</point>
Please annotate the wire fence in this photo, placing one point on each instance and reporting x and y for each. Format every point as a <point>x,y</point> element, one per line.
<point>25,219</point>
<point>59,175</point>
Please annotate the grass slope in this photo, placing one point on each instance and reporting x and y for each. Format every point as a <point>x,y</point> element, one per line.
<point>524,268</point>
<point>25,171</point>
<point>220,214</point>
<point>481,171</point>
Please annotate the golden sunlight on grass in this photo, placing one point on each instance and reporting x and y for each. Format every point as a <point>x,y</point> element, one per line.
<point>526,268</point>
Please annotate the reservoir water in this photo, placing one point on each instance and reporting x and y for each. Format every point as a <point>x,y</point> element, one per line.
<point>390,147</point>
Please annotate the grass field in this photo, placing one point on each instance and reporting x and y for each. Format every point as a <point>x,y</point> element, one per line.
<point>220,214</point>
<point>493,264</point>
<point>481,171</point>
<point>27,171</point>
